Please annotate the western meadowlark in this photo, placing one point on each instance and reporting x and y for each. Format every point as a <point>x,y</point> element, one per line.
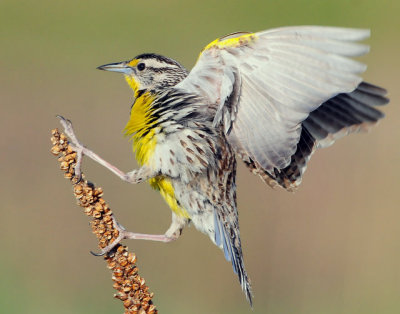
<point>271,97</point>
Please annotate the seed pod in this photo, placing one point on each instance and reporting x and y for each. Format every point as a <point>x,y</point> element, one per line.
<point>118,272</point>
<point>64,165</point>
<point>128,303</point>
<point>98,192</point>
<point>55,150</point>
<point>121,295</point>
<point>144,306</point>
<point>78,189</point>
<point>132,258</point>
<point>96,214</point>
<point>111,264</point>
<point>141,311</point>
<point>124,263</point>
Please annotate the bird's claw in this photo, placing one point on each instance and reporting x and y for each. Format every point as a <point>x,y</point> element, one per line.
<point>77,170</point>
<point>69,131</point>
<point>75,144</point>
<point>111,247</point>
<point>97,254</point>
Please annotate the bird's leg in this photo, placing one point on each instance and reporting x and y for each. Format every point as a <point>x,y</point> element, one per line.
<point>173,233</point>
<point>135,176</point>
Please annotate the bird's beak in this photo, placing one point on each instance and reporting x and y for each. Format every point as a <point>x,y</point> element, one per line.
<point>121,67</point>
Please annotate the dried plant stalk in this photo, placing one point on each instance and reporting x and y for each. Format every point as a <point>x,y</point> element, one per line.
<point>132,289</point>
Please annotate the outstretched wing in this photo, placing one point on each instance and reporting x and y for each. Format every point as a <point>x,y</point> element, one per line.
<point>337,117</point>
<point>263,85</point>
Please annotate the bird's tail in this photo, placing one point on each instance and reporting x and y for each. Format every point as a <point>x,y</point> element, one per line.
<point>227,237</point>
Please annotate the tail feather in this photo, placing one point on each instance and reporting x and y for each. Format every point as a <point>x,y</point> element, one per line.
<point>227,237</point>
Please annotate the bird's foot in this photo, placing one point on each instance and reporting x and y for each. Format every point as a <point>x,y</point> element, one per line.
<point>75,145</point>
<point>123,234</point>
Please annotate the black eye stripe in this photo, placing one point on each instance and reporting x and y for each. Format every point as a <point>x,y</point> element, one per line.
<point>162,69</point>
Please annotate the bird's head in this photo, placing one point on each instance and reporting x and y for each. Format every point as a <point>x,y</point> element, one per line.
<point>149,72</point>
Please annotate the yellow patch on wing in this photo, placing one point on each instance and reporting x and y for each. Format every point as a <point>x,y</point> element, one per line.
<point>140,126</point>
<point>232,40</point>
<point>167,191</point>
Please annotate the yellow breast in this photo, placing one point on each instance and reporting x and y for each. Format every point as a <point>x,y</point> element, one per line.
<point>141,126</point>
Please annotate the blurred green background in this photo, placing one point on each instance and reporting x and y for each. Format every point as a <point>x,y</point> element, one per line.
<point>331,247</point>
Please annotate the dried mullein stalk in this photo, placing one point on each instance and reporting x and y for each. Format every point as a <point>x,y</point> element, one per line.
<point>131,288</point>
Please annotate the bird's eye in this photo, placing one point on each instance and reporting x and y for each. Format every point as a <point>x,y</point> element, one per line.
<point>141,66</point>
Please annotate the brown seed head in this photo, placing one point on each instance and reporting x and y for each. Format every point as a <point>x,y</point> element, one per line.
<point>131,288</point>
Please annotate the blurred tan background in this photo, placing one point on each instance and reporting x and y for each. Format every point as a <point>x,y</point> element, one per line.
<point>332,247</point>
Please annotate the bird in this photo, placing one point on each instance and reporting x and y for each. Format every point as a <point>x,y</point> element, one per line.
<point>269,98</point>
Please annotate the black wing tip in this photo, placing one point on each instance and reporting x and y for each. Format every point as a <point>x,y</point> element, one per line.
<point>385,101</point>
<point>375,90</point>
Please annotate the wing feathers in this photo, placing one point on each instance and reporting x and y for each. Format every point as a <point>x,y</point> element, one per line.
<point>262,86</point>
<point>337,117</point>
<point>339,33</point>
<point>372,90</point>
<point>337,47</point>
